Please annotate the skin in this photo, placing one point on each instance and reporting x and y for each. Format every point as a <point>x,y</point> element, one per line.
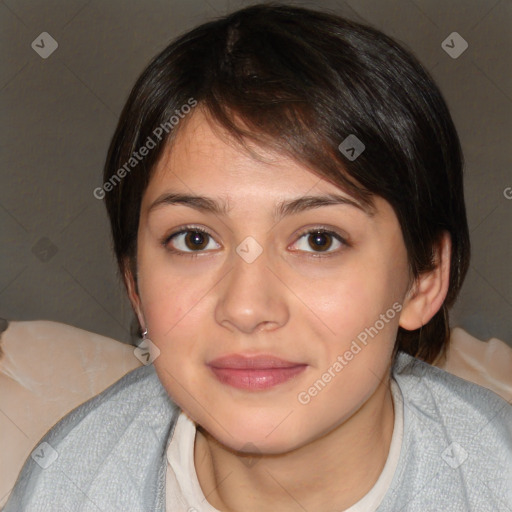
<point>290,303</point>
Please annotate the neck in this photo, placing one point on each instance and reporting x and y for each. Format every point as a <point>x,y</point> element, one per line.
<point>331,472</point>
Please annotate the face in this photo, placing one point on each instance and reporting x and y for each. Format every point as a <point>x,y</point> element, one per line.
<point>275,316</point>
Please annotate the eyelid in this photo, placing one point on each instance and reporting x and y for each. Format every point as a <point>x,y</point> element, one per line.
<point>324,229</point>
<point>185,229</point>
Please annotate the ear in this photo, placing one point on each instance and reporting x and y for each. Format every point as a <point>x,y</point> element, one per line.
<point>428,292</point>
<point>133,295</point>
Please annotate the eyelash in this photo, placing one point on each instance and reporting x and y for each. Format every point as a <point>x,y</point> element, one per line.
<point>311,231</point>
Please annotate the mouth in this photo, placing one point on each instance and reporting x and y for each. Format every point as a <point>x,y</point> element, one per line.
<point>254,373</point>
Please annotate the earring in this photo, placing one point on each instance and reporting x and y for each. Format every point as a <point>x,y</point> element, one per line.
<point>144,334</point>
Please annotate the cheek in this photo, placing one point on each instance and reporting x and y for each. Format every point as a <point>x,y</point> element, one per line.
<point>361,312</point>
<point>355,298</point>
<point>172,300</point>
<point>174,314</point>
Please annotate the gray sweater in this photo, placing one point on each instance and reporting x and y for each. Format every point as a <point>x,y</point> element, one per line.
<point>109,454</point>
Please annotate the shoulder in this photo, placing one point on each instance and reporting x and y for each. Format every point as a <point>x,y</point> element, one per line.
<point>457,442</point>
<point>98,451</point>
<point>453,400</point>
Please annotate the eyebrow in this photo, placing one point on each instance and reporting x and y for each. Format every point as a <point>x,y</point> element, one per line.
<point>282,209</point>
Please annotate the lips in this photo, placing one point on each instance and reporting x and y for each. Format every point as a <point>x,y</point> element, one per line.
<point>254,373</point>
<point>259,362</point>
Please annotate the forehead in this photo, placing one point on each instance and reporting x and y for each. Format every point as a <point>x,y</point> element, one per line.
<point>205,154</point>
<point>205,160</point>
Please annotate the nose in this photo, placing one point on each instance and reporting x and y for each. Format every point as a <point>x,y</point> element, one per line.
<point>251,297</point>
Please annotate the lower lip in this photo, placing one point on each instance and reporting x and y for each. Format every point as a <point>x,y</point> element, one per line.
<point>255,380</point>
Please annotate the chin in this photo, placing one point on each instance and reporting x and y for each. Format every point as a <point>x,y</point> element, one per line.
<point>258,433</point>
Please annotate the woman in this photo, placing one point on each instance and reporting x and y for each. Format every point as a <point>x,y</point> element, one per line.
<point>285,194</point>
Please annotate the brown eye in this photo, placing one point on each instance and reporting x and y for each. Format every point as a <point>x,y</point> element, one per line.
<point>320,241</point>
<point>196,240</point>
<point>190,240</point>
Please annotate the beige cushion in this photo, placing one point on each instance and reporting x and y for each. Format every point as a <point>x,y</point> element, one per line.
<point>46,370</point>
<point>488,363</point>
<point>49,368</point>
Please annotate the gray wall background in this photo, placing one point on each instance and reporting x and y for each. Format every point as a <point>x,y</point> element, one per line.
<point>58,114</point>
